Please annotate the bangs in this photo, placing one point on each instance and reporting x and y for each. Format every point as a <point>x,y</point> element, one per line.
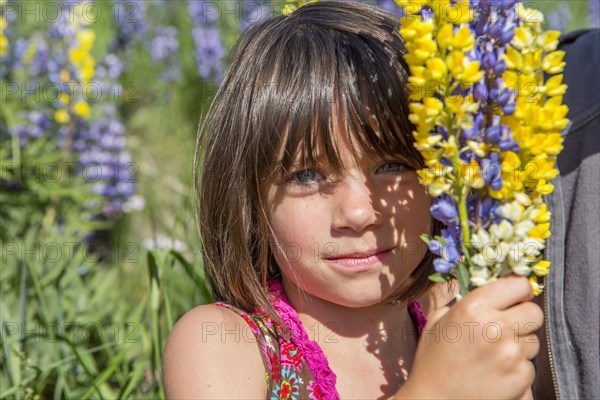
<point>318,75</point>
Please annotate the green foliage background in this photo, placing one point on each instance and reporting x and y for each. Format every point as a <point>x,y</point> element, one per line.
<point>89,320</point>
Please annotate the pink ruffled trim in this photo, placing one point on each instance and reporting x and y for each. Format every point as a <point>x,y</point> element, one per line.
<point>414,307</point>
<point>316,360</point>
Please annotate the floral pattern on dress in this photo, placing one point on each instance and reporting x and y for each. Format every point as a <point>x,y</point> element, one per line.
<point>290,353</point>
<point>287,375</point>
<point>288,388</point>
<point>315,391</point>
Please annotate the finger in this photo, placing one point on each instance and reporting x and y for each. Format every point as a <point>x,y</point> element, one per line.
<point>530,345</point>
<point>528,317</point>
<point>528,395</point>
<point>504,293</point>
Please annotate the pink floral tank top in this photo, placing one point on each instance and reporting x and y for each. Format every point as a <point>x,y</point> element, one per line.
<point>296,367</point>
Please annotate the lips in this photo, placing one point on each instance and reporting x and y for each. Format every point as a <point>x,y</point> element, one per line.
<point>360,261</point>
<point>360,254</point>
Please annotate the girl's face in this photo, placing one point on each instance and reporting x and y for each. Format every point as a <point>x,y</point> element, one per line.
<point>350,238</point>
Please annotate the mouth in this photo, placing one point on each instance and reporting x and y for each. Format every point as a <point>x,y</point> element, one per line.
<point>360,261</point>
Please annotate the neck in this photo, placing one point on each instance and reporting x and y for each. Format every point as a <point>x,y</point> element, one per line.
<point>329,322</point>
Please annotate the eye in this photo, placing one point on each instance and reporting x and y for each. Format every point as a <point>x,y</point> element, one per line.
<point>306,177</point>
<point>391,167</point>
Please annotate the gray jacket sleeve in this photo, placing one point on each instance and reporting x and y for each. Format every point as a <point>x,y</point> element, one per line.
<point>573,285</point>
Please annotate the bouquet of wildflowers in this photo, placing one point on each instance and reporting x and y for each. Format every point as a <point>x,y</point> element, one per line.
<point>488,126</point>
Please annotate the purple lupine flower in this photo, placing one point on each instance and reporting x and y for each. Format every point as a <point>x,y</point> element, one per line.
<point>104,162</point>
<point>391,7</point>
<point>110,68</point>
<point>209,48</point>
<point>444,210</point>
<point>559,18</point>
<point>594,13</point>
<point>253,11</point>
<point>442,266</point>
<point>491,171</point>
<point>130,21</point>
<point>99,144</point>
<point>164,49</point>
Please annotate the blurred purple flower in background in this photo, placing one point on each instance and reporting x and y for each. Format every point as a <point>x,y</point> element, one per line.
<point>207,39</point>
<point>391,6</point>
<point>559,18</point>
<point>594,13</point>
<point>130,20</point>
<point>254,11</point>
<point>164,49</point>
<point>55,65</point>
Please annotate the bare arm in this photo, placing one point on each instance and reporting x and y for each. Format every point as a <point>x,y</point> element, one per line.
<point>207,356</point>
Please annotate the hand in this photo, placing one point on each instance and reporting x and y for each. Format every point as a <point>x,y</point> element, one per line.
<point>480,347</point>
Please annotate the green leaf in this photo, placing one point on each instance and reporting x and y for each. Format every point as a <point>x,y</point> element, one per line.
<point>440,278</point>
<point>426,238</point>
<point>464,279</point>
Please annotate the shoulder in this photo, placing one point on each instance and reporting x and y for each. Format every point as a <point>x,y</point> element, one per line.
<point>209,355</point>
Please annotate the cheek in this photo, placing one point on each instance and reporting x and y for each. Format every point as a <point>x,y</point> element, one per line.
<point>296,226</point>
<point>411,217</point>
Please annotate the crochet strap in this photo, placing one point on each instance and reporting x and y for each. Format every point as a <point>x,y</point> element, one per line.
<point>315,359</point>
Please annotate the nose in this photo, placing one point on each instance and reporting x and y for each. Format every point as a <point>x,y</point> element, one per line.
<point>354,207</point>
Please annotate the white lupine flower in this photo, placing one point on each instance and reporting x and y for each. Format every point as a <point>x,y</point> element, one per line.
<point>532,247</point>
<point>503,230</point>
<point>480,260</point>
<point>512,211</point>
<point>498,252</point>
<point>480,277</point>
<point>516,253</point>
<point>480,239</point>
<point>531,213</point>
<point>522,228</point>
<point>521,269</point>
<point>523,199</point>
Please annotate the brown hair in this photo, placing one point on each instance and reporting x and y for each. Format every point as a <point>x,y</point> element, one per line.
<point>288,77</point>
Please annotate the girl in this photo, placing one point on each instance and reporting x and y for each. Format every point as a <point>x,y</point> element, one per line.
<point>310,217</point>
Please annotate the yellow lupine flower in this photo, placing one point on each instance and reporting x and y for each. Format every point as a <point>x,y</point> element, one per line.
<point>444,36</point>
<point>288,9</point>
<point>544,188</point>
<point>424,48</point>
<point>548,41</point>
<point>412,27</point>
<point>541,268</point>
<point>529,16</point>
<point>436,70</point>
<point>82,109</point>
<point>513,60</point>
<point>543,215</point>
<point>553,62</point>
<point>3,45</point>
<point>471,175</point>
<point>463,39</point>
<point>541,231</point>
<point>523,38</point>
<point>459,13</point>
<point>85,39</point>
<point>62,116</point>
<point>463,70</point>
<point>537,288</point>
<point>412,6</point>
<point>64,75</point>
<point>3,39</point>
<point>64,98</point>
<point>554,86</point>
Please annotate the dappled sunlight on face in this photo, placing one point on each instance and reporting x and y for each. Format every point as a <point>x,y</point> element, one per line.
<point>350,235</point>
